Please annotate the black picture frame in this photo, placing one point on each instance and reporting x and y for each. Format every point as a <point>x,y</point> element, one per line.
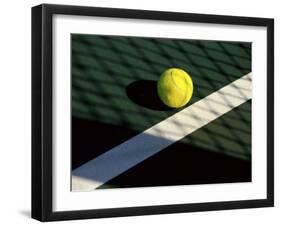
<point>42,111</point>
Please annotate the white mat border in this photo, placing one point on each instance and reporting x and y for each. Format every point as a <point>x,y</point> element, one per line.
<point>64,199</point>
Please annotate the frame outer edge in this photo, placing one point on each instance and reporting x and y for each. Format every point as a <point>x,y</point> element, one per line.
<point>37,161</point>
<point>270,112</point>
<point>156,15</point>
<point>42,112</point>
<point>47,114</point>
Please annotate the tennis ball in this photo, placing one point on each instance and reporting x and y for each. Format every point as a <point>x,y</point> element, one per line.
<point>175,87</point>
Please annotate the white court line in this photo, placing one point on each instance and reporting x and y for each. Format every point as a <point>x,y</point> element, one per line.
<point>98,171</point>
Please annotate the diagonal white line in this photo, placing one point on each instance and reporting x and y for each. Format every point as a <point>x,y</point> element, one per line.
<point>98,171</point>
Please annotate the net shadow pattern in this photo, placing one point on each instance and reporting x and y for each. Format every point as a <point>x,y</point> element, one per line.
<point>103,66</point>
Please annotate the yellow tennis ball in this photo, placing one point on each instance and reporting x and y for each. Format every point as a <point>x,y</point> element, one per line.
<point>175,87</point>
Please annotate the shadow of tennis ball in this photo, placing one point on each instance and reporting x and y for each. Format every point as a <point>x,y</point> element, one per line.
<point>144,93</point>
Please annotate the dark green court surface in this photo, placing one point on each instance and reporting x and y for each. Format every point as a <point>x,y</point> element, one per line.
<point>114,98</point>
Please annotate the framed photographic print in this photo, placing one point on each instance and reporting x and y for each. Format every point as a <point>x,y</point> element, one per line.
<point>145,112</point>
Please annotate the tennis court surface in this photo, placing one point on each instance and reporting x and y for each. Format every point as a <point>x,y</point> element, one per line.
<point>123,136</point>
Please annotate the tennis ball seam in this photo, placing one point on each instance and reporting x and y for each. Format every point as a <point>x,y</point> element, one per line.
<point>181,90</point>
